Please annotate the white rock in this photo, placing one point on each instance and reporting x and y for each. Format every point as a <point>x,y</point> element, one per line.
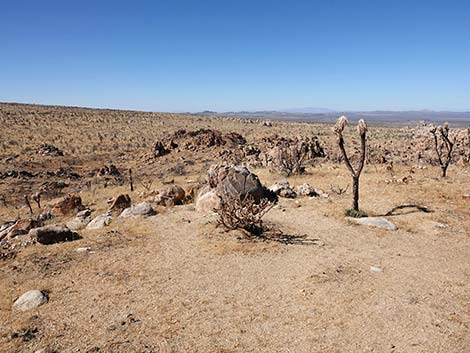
<point>78,223</point>
<point>81,250</point>
<point>377,222</point>
<point>375,269</point>
<point>141,209</point>
<point>207,200</point>
<point>100,222</point>
<point>30,300</point>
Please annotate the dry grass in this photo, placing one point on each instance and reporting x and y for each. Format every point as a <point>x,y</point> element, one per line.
<point>176,283</point>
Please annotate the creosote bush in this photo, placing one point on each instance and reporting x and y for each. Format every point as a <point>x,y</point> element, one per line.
<point>242,212</point>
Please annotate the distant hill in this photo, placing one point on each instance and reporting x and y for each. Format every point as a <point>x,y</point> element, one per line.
<point>458,119</point>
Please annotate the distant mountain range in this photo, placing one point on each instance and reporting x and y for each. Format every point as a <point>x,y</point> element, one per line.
<point>379,117</point>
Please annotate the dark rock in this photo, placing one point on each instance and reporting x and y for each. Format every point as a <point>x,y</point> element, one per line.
<point>53,234</point>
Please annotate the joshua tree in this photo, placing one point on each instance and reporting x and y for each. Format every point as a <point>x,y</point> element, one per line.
<point>362,129</point>
<point>444,157</point>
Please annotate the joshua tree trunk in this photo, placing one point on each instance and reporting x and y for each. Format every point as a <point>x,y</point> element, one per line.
<point>356,193</point>
<point>443,171</point>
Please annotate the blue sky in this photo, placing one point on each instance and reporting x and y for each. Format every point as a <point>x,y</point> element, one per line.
<point>237,55</point>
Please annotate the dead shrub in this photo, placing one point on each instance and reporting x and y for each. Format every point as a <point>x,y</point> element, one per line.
<point>290,159</point>
<point>243,212</point>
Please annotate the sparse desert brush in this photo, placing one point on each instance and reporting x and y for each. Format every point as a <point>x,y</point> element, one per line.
<point>291,158</point>
<point>362,130</point>
<point>242,212</point>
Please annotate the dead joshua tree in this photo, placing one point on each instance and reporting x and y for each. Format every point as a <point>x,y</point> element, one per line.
<point>362,129</point>
<point>444,157</point>
<point>26,201</point>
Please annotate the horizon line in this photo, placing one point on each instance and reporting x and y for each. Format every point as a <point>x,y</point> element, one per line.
<point>327,112</point>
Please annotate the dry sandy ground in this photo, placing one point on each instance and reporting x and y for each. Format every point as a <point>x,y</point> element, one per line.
<point>175,283</point>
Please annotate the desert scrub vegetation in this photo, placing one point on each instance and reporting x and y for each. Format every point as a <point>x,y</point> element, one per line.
<point>355,173</point>
<point>242,212</point>
<point>291,159</point>
<point>443,146</point>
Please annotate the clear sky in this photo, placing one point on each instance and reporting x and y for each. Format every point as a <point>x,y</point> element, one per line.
<point>173,55</point>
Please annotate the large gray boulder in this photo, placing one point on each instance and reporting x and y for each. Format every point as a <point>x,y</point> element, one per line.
<point>30,300</point>
<point>230,181</point>
<point>237,181</point>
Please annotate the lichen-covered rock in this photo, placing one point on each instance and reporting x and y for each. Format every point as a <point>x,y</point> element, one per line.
<point>230,181</point>
<point>237,181</point>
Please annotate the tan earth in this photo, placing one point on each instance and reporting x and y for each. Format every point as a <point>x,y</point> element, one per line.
<point>175,282</point>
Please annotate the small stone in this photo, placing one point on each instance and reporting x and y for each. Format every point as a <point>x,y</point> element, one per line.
<point>375,269</point>
<point>439,225</point>
<point>283,189</point>
<point>84,214</point>
<point>306,190</point>
<point>82,250</point>
<point>30,300</point>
